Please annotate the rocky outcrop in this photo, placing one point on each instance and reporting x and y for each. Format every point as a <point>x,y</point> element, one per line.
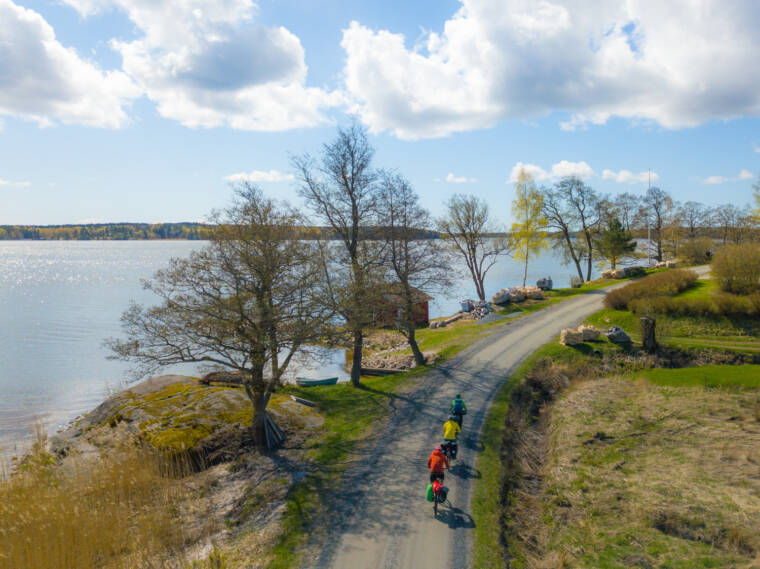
<point>570,337</point>
<point>617,335</point>
<point>395,361</point>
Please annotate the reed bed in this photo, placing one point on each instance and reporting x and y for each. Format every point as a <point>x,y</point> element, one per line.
<point>117,512</point>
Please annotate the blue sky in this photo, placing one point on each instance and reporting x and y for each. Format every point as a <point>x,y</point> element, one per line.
<point>140,110</point>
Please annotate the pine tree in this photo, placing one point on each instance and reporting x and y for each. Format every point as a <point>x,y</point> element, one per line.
<point>614,242</point>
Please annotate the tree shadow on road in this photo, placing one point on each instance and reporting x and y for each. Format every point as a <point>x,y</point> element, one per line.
<point>464,471</point>
<point>455,518</point>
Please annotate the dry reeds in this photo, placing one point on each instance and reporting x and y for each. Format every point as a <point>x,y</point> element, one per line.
<point>116,512</point>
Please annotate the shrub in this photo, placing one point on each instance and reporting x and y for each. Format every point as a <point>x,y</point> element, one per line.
<point>667,283</point>
<point>674,306</point>
<point>575,281</point>
<point>737,268</point>
<point>696,251</point>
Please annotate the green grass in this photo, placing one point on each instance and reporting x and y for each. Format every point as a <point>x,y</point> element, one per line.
<point>703,288</point>
<point>711,376</point>
<point>349,414</point>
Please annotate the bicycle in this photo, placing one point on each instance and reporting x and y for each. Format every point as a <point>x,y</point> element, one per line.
<point>439,497</point>
<point>450,449</point>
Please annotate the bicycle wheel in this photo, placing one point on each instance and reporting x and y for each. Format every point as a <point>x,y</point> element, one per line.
<point>435,505</point>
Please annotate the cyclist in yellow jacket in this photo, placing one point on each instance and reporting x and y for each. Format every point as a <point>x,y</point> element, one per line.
<point>450,431</point>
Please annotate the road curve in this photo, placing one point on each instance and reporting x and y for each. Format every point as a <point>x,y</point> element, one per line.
<point>381,520</point>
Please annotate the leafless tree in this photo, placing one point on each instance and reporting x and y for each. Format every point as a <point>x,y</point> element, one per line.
<point>471,233</point>
<point>694,216</point>
<point>415,262</point>
<point>625,207</point>
<point>246,302</point>
<point>342,191</point>
<point>575,212</point>
<point>657,205</point>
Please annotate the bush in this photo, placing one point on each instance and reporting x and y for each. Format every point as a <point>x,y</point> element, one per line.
<point>737,268</point>
<point>667,283</point>
<point>696,251</point>
<point>674,306</point>
<point>575,281</point>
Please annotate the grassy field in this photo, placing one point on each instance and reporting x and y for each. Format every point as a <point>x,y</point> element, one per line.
<point>659,470</point>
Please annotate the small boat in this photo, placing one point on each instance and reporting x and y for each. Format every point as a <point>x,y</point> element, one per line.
<point>306,382</point>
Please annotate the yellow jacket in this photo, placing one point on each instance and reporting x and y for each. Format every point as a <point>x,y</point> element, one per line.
<point>450,430</point>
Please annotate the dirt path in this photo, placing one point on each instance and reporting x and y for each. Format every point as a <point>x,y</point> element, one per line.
<point>381,519</point>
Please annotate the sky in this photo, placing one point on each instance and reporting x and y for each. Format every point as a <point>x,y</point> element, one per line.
<point>150,111</point>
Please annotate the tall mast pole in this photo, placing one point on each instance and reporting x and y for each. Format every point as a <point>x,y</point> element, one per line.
<point>649,232</point>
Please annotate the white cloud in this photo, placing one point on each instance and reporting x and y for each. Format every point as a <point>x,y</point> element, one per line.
<point>211,64</point>
<point>715,180</point>
<point>44,81</point>
<point>628,177</point>
<point>11,184</point>
<point>757,149</point>
<point>561,169</point>
<point>452,179</point>
<point>673,63</point>
<point>259,176</point>
<point>743,175</point>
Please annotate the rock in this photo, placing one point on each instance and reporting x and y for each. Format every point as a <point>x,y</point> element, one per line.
<point>501,297</point>
<point>516,296</point>
<point>617,335</point>
<point>660,265</point>
<point>618,274</point>
<point>533,292</point>
<point>589,333</point>
<point>670,264</point>
<point>570,337</point>
<point>545,283</point>
<point>607,274</point>
<point>467,305</point>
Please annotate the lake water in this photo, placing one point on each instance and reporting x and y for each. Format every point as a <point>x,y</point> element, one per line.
<point>60,299</point>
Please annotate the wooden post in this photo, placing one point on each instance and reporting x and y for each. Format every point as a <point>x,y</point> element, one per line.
<point>648,339</point>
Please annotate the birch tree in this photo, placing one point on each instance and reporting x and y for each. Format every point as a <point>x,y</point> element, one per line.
<point>528,232</point>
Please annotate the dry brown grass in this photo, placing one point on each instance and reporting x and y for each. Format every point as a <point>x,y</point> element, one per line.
<point>118,512</point>
<point>637,475</point>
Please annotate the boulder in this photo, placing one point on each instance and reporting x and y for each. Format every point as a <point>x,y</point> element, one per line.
<point>501,297</point>
<point>589,333</point>
<point>516,296</point>
<point>670,264</point>
<point>533,292</point>
<point>607,274</point>
<point>617,335</point>
<point>545,283</point>
<point>618,274</point>
<point>570,337</point>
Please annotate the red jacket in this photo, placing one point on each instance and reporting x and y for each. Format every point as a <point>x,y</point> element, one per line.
<point>437,461</point>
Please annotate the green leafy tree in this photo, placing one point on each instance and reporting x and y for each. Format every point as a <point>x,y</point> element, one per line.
<point>614,242</point>
<point>528,233</point>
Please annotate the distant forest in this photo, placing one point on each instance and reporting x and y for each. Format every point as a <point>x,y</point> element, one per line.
<point>107,231</point>
<point>142,231</point>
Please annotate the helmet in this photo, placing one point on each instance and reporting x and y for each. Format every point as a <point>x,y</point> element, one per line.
<point>438,448</point>
<point>452,418</point>
<point>459,396</point>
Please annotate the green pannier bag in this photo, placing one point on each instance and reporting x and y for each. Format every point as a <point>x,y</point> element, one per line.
<point>429,494</point>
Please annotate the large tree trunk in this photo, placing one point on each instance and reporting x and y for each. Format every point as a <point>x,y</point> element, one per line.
<point>259,400</point>
<point>418,357</point>
<point>356,362</point>
<point>569,243</point>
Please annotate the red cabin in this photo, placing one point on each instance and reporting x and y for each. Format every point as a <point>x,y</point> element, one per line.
<point>388,313</point>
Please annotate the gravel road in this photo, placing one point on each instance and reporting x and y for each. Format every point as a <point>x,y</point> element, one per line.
<point>381,519</point>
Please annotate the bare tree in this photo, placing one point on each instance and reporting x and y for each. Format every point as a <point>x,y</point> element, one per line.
<point>342,191</point>
<point>694,216</point>
<point>414,261</point>
<point>625,207</point>
<point>471,233</point>
<point>728,218</point>
<point>246,302</point>
<point>656,207</point>
<point>575,212</point>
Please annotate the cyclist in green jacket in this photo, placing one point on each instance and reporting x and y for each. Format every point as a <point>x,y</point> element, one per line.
<point>458,409</point>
